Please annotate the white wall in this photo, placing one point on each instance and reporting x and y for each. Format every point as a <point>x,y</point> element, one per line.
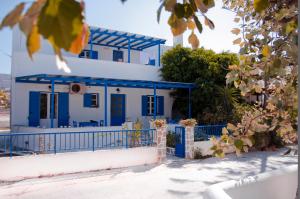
<point>20,103</point>
<point>49,164</point>
<point>204,147</point>
<point>278,184</point>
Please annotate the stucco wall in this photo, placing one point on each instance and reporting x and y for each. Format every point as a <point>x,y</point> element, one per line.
<point>50,164</point>
<point>278,184</point>
<point>20,103</point>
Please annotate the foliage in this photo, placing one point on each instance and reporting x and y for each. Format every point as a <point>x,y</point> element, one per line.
<point>183,17</point>
<point>136,134</point>
<point>60,22</point>
<point>205,68</point>
<point>171,139</point>
<point>268,67</point>
<point>4,99</point>
<point>188,122</point>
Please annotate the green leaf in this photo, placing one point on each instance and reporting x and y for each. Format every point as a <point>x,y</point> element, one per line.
<point>238,144</point>
<point>158,13</point>
<point>198,24</point>
<point>13,17</point>
<point>61,22</point>
<point>260,5</point>
<point>183,10</point>
<point>179,10</point>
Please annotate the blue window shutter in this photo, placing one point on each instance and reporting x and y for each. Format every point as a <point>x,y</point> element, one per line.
<point>160,105</point>
<point>34,109</point>
<point>144,105</point>
<point>98,100</point>
<point>87,100</point>
<point>63,109</point>
<point>94,54</point>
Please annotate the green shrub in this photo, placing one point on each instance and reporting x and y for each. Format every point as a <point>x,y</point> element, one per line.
<point>171,137</point>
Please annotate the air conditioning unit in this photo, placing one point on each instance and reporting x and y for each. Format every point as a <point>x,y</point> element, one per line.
<point>76,88</point>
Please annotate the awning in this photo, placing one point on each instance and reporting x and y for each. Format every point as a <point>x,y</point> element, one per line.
<point>93,81</point>
<point>124,40</point>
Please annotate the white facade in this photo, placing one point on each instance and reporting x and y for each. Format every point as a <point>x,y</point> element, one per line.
<point>43,62</point>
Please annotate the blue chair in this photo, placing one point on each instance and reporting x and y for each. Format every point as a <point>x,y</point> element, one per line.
<point>75,124</point>
<point>101,123</point>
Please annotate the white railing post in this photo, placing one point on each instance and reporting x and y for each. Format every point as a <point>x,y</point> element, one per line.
<point>161,140</point>
<point>189,142</point>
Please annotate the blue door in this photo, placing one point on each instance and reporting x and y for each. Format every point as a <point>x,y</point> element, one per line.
<point>180,141</point>
<point>34,109</point>
<point>63,109</point>
<point>117,109</point>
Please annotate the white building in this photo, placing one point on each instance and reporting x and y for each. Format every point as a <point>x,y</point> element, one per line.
<point>112,81</point>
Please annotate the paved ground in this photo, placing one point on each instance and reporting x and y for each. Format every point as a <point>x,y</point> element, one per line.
<point>176,178</point>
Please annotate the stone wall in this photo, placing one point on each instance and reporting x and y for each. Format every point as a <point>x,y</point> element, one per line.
<point>161,134</point>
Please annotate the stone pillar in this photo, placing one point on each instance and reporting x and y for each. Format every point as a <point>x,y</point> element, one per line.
<point>189,142</point>
<point>161,140</point>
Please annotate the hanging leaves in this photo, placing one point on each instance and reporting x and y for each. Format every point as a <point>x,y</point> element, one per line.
<point>202,7</point>
<point>33,41</point>
<point>13,17</point>
<point>178,26</point>
<point>193,40</point>
<point>191,25</point>
<point>209,23</point>
<point>54,22</point>
<point>237,41</point>
<point>236,31</point>
<point>198,24</point>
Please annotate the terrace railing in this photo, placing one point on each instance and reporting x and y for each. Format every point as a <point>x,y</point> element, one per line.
<point>40,143</point>
<point>207,131</point>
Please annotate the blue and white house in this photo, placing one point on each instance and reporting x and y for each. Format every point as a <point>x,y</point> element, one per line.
<point>115,79</point>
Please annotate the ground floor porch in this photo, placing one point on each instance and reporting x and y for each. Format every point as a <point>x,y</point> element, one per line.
<point>55,101</point>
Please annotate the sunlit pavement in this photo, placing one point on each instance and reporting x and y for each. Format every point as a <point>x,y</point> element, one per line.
<point>176,178</point>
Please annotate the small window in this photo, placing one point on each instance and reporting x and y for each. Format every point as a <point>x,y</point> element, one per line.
<point>148,105</point>
<point>94,100</point>
<point>87,54</point>
<point>91,100</point>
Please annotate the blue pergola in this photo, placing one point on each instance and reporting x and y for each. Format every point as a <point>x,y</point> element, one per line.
<point>123,40</point>
<point>105,82</point>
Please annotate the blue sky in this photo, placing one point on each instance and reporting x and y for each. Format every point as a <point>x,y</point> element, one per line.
<point>136,16</point>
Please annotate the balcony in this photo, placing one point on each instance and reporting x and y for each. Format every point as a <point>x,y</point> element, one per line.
<point>45,64</point>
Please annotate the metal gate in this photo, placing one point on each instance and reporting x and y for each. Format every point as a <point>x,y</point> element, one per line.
<point>180,141</point>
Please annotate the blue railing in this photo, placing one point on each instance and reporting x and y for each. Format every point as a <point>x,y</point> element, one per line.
<point>207,131</point>
<point>39,143</point>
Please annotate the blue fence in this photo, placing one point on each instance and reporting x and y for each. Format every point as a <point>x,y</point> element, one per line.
<point>39,143</point>
<point>207,131</point>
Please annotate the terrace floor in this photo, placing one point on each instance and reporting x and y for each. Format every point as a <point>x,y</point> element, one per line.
<point>176,178</point>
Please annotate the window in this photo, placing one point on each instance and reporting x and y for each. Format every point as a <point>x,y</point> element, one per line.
<point>43,106</point>
<point>118,56</point>
<point>91,100</point>
<point>88,54</point>
<point>94,100</point>
<point>148,105</point>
